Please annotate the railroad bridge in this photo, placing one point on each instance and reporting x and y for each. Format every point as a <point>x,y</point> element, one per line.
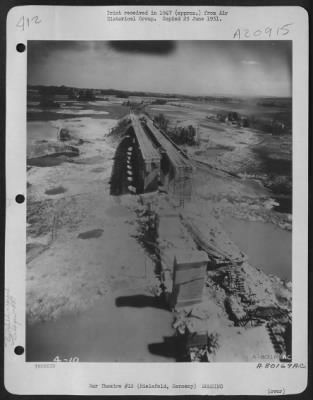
<point>146,158</point>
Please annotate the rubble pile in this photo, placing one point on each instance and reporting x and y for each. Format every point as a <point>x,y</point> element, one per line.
<point>236,294</point>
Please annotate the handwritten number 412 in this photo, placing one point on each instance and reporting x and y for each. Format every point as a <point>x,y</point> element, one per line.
<point>25,22</point>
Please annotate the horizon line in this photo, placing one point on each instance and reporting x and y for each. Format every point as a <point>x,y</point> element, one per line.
<point>160,93</point>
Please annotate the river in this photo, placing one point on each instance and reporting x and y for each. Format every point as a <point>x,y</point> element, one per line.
<point>122,329</point>
<point>267,246</point>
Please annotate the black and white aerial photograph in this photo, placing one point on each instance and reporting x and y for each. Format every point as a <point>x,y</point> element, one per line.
<point>159,201</point>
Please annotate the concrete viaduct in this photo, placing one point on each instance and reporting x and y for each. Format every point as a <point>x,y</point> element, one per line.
<point>147,159</point>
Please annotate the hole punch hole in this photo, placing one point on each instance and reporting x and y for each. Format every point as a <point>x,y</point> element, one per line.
<point>20,47</point>
<point>20,198</point>
<point>19,350</point>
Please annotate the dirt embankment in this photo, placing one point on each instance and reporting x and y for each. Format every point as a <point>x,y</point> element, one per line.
<point>239,299</point>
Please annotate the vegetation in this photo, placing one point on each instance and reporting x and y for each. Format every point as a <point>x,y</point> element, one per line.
<point>47,99</point>
<point>274,126</point>
<point>86,95</point>
<point>47,102</point>
<point>184,135</point>
<point>265,124</point>
<point>119,129</point>
<point>180,134</point>
<point>159,102</point>
<point>161,121</point>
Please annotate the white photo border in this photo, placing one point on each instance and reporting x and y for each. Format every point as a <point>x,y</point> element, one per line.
<point>88,23</point>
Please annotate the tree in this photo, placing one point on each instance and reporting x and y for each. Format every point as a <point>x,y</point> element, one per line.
<point>161,121</point>
<point>47,98</point>
<point>86,95</point>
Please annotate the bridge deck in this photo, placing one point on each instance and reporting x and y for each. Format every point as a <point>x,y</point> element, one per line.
<point>148,151</point>
<point>174,155</point>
